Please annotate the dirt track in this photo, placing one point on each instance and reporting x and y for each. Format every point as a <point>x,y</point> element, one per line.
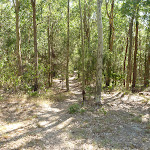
<point>122,123</point>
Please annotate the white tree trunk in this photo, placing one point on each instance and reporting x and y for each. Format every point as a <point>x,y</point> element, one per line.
<point>99,52</point>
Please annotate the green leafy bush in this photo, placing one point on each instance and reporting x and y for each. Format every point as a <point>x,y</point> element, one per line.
<point>74,108</point>
<point>33,94</point>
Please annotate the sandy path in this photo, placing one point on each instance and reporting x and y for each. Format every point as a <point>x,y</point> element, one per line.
<point>24,125</point>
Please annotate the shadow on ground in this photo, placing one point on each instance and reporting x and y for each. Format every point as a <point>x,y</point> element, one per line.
<point>122,123</point>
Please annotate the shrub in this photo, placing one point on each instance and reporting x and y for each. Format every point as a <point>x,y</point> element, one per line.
<point>33,94</point>
<point>82,110</point>
<point>74,108</point>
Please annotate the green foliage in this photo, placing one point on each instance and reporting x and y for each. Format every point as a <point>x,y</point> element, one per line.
<point>28,88</point>
<point>88,89</point>
<point>110,87</point>
<point>123,10</point>
<point>82,111</point>
<point>102,110</point>
<point>117,76</point>
<point>74,108</point>
<point>33,94</point>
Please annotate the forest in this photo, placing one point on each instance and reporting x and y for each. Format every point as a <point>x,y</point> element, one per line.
<point>74,74</point>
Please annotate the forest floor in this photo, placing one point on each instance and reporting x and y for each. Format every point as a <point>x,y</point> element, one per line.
<point>44,123</point>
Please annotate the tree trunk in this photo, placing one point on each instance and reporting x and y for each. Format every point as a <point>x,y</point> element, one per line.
<point>110,40</point>
<point>35,45</point>
<point>135,54</point>
<point>147,61</point>
<point>99,52</point>
<point>49,51</point>
<point>88,28</point>
<point>18,38</point>
<point>129,55</point>
<point>67,65</point>
<point>52,55</point>
<point>83,53</point>
<point>140,58</point>
<point>124,64</point>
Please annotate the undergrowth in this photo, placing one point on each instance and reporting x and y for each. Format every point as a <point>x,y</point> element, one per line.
<point>76,108</point>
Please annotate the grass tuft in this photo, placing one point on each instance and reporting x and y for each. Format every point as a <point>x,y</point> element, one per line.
<point>137,119</point>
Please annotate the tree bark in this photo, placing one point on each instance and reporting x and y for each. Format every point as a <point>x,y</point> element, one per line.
<point>140,57</point>
<point>129,55</point>
<point>110,40</point>
<point>135,54</point>
<point>33,2</point>
<point>147,61</point>
<point>88,28</point>
<point>18,38</point>
<point>99,52</point>
<point>83,53</point>
<point>124,64</point>
<point>49,51</point>
<point>67,65</point>
<point>111,25</point>
<point>52,55</point>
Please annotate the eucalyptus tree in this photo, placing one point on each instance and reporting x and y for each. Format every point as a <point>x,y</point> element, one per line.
<point>110,39</point>
<point>131,10</point>
<point>147,56</point>
<point>128,10</point>
<point>33,2</point>
<point>147,61</point>
<point>49,51</point>
<point>18,37</point>
<point>51,32</point>
<point>146,19</point>
<point>135,51</point>
<point>125,57</point>
<point>82,48</point>
<point>129,67</point>
<point>99,52</point>
<point>67,64</point>
<point>8,66</point>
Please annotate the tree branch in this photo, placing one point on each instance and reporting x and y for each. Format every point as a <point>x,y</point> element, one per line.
<point>107,10</point>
